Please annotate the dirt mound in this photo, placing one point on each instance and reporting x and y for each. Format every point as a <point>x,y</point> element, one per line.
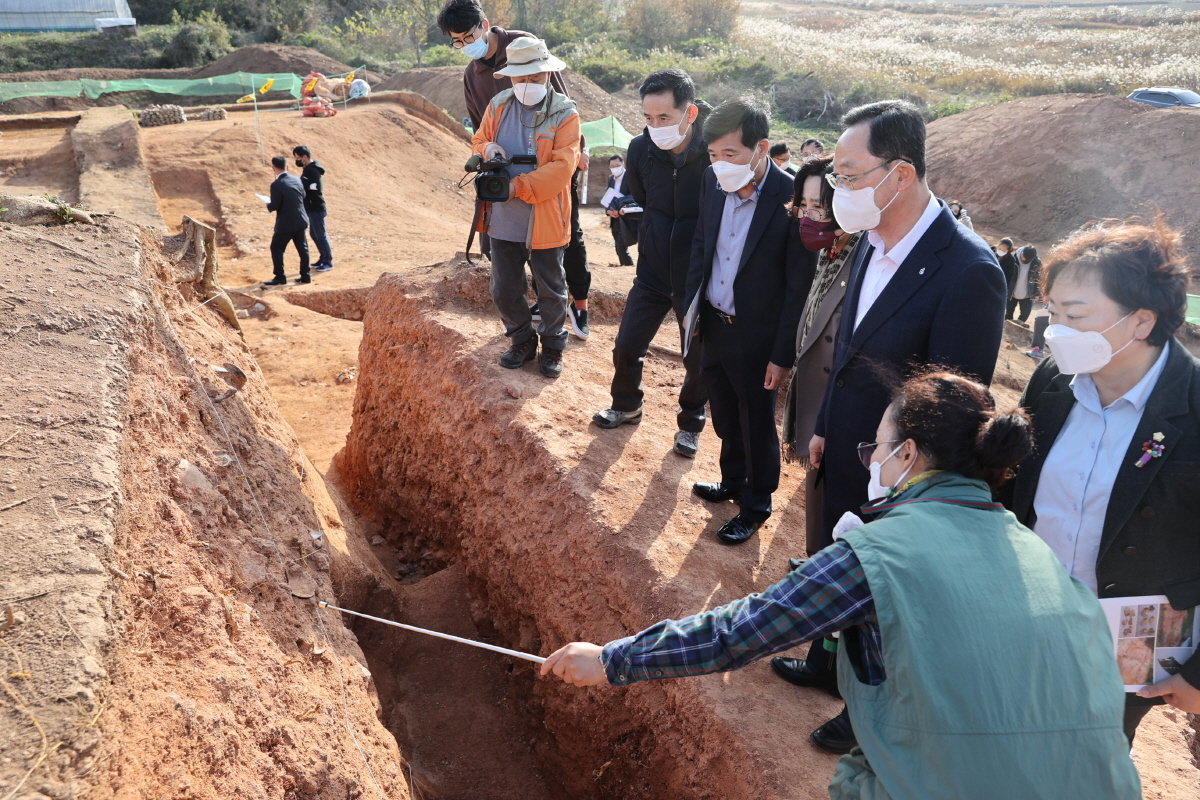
<point>1037,168</point>
<point>265,58</point>
<point>95,74</point>
<point>443,86</point>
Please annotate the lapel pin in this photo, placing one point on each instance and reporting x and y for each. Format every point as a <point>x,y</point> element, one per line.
<point>1151,449</point>
<point>921,271</point>
<point>843,284</point>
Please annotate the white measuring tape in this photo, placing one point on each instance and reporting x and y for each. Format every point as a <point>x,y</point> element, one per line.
<point>459,639</point>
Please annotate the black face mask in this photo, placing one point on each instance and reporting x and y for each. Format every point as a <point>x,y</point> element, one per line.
<point>299,163</point>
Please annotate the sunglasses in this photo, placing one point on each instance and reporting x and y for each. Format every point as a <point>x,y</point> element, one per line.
<point>867,449</point>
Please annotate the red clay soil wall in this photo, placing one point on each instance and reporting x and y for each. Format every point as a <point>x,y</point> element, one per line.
<point>163,643</point>
<point>465,461</point>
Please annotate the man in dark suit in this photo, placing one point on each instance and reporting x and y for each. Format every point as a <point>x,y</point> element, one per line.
<point>291,221</point>
<point>623,222</point>
<point>923,291</point>
<point>748,278</point>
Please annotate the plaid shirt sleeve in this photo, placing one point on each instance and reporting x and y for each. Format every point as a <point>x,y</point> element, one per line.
<point>829,593</point>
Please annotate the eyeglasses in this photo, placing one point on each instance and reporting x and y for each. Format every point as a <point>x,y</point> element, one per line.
<point>467,39</point>
<point>815,213</point>
<point>867,449</point>
<point>847,181</point>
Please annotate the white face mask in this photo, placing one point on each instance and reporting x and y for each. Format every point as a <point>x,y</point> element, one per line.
<point>478,48</point>
<point>875,489</point>
<point>618,172</point>
<point>668,137</point>
<point>530,94</point>
<point>733,176</point>
<point>1082,352</point>
<point>855,209</point>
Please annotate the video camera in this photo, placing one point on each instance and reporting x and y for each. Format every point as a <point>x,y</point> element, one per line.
<point>492,184</point>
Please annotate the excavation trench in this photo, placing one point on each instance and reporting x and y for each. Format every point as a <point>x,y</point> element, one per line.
<point>490,516</point>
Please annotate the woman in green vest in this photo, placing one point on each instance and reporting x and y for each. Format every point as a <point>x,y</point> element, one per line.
<point>955,593</point>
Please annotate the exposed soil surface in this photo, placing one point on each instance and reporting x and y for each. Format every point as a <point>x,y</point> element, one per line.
<point>178,653</point>
<point>265,58</point>
<point>1039,167</point>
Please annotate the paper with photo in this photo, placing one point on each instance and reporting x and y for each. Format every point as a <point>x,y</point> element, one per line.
<point>1152,640</point>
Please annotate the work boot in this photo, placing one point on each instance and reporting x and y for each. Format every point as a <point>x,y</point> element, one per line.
<point>687,443</point>
<point>610,418</point>
<point>519,353</point>
<point>551,364</point>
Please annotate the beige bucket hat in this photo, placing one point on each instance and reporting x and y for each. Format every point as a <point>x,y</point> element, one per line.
<point>529,56</point>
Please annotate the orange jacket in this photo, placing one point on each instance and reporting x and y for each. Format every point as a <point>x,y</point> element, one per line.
<point>548,187</point>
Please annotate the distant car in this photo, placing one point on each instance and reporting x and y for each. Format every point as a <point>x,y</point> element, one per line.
<point>1167,97</point>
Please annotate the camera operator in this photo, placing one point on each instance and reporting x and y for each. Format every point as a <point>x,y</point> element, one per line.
<point>534,224</point>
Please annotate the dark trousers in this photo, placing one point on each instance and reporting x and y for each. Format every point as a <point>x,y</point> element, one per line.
<point>508,292</point>
<point>623,257</point>
<point>316,229</point>
<point>575,264</point>
<point>645,310</point>
<point>574,260</point>
<point>743,415</point>
<point>279,243</point>
<point>1026,307</point>
<point>1039,330</point>
<point>1136,708</point>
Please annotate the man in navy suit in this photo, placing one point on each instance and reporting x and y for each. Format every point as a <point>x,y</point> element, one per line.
<point>748,278</point>
<point>291,221</point>
<point>923,291</point>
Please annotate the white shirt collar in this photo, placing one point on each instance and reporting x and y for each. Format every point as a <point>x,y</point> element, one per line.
<point>902,248</point>
<point>1088,395</point>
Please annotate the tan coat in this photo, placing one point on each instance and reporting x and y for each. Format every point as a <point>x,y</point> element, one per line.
<point>814,357</point>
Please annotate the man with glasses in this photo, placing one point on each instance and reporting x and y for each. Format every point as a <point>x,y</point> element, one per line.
<point>486,45</point>
<point>923,291</point>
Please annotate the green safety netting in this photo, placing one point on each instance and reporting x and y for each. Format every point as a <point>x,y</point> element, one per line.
<point>233,85</point>
<point>1193,309</point>
<point>607,132</point>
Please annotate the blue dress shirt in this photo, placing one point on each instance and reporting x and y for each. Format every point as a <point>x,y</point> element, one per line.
<point>1077,478</point>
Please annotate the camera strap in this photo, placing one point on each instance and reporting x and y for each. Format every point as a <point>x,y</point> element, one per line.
<point>476,221</point>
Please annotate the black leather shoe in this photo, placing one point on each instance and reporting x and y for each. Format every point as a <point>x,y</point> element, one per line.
<point>836,736</point>
<point>798,672</point>
<point>716,492</point>
<point>275,282</point>
<point>739,529</point>
<point>796,563</point>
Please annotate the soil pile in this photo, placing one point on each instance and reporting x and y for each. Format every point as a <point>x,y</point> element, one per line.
<point>265,58</point>
<point>95,74</point>
<point>443,86</point>
<point>1039,167</point>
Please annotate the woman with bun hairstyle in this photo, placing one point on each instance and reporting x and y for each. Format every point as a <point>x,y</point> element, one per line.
<point>955,593</point>
<point>1113,484</point>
